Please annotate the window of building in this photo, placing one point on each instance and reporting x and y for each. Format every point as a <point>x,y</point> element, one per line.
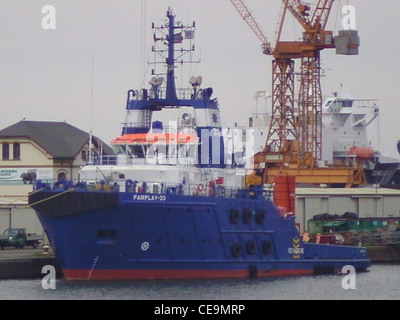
<point>16,151</point>
<point>6,151</point>
<point>84,155</point>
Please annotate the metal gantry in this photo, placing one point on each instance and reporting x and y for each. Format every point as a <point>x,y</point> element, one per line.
<point>295,136</point>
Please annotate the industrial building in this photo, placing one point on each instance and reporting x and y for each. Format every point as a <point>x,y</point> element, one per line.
<point>369,202</point>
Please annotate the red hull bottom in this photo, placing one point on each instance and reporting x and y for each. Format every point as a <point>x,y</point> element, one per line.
<point>71,274</point>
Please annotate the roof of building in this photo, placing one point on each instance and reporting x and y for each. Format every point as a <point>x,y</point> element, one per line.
<point>60,139</point>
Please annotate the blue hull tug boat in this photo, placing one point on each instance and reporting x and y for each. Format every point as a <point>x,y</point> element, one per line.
<point>172,203</point>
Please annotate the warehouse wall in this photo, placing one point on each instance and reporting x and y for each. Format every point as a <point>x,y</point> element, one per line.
<point>366,203</point>
<point>20,218</point>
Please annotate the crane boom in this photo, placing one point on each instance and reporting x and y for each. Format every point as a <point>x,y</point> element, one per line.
<point>248,17</point>
<point>321,13</point>
<point>294,137</point>
<point>319,18</point>
<point>299,11</point>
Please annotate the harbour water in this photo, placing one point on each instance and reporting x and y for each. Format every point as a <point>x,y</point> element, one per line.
<point>382,282</point>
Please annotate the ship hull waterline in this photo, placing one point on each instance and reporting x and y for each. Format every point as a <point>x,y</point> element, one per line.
<point>183,237</point>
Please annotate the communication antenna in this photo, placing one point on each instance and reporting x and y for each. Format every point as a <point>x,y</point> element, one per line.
<point>143,39</point>
<point>91,110</point>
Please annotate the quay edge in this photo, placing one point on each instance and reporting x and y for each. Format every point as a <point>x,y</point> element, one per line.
<point>21,266</point>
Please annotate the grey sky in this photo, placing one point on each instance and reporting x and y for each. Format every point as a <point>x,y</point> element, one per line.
<point>47,74</point>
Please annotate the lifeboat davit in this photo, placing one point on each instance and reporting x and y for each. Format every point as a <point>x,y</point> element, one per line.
<point>362,153</point>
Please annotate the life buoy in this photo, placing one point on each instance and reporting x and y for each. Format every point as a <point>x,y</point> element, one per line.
<point>236,250</point>
<point>266,246</point>
<point>235,216</point>
<point>260,216</point>
<point>200,187</point>
<point>247,216</point>
<point>250,247</point>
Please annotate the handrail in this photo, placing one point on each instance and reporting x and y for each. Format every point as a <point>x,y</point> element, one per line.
<point>153,188</point>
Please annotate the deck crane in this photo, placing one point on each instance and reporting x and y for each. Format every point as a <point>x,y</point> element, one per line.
<point>295,138</point>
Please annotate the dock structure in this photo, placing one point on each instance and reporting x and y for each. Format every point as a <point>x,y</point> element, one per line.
<point>26,263</point>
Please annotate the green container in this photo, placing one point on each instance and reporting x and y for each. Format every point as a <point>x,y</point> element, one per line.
<point>315,226</point>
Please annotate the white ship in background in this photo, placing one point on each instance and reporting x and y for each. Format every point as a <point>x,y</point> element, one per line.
<point>350,133</point>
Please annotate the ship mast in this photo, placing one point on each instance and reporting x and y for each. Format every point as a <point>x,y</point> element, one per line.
<point>171,89</point>
<point>170,34</point>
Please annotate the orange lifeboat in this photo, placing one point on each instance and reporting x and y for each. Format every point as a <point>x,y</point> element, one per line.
<point>150,138</point>
<point>362,153</point>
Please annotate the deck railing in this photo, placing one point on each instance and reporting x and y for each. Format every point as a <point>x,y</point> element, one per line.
<point>154,188</point>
